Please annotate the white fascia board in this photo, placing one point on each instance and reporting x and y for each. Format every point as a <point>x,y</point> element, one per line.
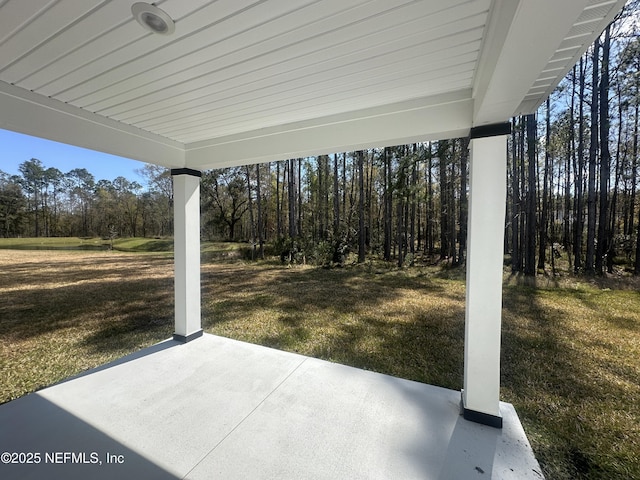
<point>537,28</point>
<point>26,112</point>
<point>430,118</point>
<point>531,103</point>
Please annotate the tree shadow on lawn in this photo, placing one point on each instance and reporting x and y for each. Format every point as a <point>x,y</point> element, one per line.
<point>102,304</point>
<point>393,323</point>
<point>130,302</point>
<point>570,400</point>
<point>50,272</point>
<point>67,316</point>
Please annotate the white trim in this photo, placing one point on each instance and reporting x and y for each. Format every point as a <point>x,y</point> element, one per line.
<point>33,114</point>
<point>512,61</point>
<point>429,118</point>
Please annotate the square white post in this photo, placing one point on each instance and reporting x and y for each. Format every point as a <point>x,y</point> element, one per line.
<point>186,238</point>
<point>485,240</point>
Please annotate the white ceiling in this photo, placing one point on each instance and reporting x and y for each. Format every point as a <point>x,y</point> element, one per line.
<point>242,81</point>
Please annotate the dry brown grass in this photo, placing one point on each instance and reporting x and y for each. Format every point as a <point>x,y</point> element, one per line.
<point>64,312</point>
<point>378,321</point>
<point>571,365</point>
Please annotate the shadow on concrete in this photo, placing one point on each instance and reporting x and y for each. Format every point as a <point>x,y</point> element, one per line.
<point>61,446</point>
<point>158,347</point>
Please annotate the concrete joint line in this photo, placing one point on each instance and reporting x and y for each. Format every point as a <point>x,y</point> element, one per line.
<point>245,418</point>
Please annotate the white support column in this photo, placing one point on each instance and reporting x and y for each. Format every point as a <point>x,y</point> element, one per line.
<point>186,214</point>
<point>485,240</point>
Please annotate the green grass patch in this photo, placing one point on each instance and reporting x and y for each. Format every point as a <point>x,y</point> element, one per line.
<point>55,243</point>
<point>570,349</point>
<point>143,245</point>
<point>135,244</point>
<point>210,250</point>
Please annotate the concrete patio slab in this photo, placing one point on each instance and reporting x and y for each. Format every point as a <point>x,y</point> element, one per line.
<point>218,408</point>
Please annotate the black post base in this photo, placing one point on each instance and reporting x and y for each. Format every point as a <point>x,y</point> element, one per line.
<point>480,417</point>
<point>188,338</point>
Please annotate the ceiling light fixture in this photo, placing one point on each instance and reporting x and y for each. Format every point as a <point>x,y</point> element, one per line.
<point>152,18</point>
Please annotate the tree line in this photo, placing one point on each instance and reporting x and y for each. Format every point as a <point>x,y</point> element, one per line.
<point>44,202</point>
<point>572,188</point>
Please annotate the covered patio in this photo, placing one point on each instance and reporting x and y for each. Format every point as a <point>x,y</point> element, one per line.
<point>218,408</point>
<point>206,84</point>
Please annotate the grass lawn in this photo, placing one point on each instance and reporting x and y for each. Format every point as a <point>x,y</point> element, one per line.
<point>570,358</point>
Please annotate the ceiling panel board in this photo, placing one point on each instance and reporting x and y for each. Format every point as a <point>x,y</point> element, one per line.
<point>187,67</point>
<point>110,14</point>
<point>87,52</point>
<point>299,111</point>
<point>258,122</point>
<point>43,26</point>
<point>298,54</point>
<point>198,111</point>
<point>193,61</point>
<point>373,127</point>
<point>118,45</point>
<point>337,49</point>
<point>14,16</point>
<point>377,81</point>
<point>146,53</point>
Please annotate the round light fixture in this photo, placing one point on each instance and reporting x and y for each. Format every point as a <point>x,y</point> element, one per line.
<point>152,18</point>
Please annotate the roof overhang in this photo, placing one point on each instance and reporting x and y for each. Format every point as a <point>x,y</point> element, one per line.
<point>246,81</point>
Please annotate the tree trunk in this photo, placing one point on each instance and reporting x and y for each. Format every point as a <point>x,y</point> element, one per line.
<point>530,250</point>
<point>400,228</point>
<point>593,160</point>
<point>278,206</point>
<point>452,205</point>
<point>299,198</point>
<point>361,232</point>
<point>368,228</point>
<point>325,233</point>
<point>579,169</point>
<point>633,192</point>
<point>621,161</point>
<point>605,158</point>
<point>412,214</point>
<point>251,219</point>
<point>464,205</point>
<point>443,148</point>
<point>336,199</point>
<point>344,186</point>
<point>388,204</point>
<point>544,220</point>
<point>292,198</point>
<point>636,270</point>
<point>571,159</point>
<point>260,220</point>
<point>634,171</point>
<point>430,213</point>
<point>516,254</point>
<point>523,193</point>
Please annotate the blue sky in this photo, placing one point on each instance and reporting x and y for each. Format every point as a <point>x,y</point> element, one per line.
<point>16,148</point>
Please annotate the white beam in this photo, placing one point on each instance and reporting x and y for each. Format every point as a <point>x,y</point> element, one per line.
<point>32,114</point>
<point>518,52</point>
<point>186,201</point>
<point>432,118</point>
<point>481,394</point>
